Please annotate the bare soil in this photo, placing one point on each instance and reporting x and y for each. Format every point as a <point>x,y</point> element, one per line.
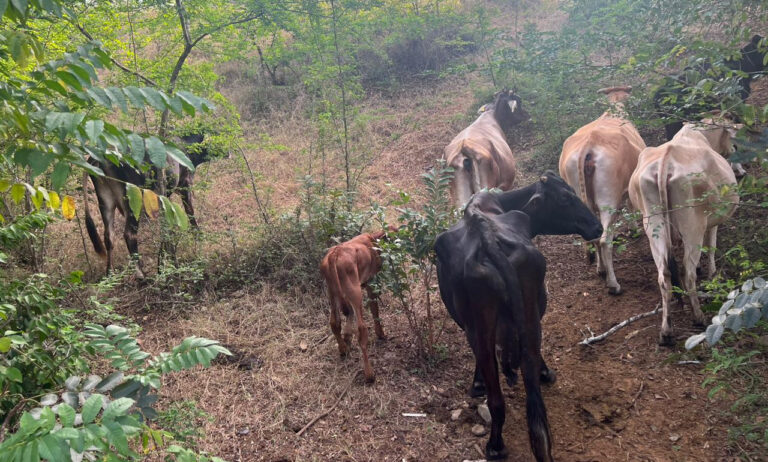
<point>622,399</point>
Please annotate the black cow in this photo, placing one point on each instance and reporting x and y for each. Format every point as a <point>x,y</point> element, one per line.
<point>491,280</point>
<point>111,194</point>
<point>673,87</point>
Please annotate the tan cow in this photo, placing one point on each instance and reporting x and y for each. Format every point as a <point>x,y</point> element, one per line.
<point>347,268</point>
<point>480,155</point>
<point>684,189</point>
<point>597,162</point>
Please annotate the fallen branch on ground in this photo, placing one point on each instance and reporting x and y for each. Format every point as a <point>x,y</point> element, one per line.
<point>612,330</point>
<point>338,400</point>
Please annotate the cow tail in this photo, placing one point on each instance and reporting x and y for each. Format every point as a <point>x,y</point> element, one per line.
<point>90,226</point>
<point>664,198</point>
<point>586,178</point>
<point>334,284</point>
<point>536,412</point>
<point>470,164</point>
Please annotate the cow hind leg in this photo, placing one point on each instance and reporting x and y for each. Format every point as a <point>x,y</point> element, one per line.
<point>107,209</point>
<point>478,383</point>
<point>131,241</point>
<point>710,240</point>
<point>350,287</point>
<point>373,305</point>
<point>335,322</point>
<point>692,255</point>
<point>484,347</point>
<point>605,250</point>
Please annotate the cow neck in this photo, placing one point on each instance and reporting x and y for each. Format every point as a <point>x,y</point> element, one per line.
<point>516,200</point>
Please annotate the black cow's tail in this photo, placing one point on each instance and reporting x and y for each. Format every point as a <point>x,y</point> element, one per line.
<point>90,226</point>
<point>528,330</point>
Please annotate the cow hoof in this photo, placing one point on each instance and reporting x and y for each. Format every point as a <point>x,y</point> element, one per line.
<point>615,290</point>
<point>511,378</point>
<point>370,378</point>
<point>477,390</point>
<point>548,376</point>
<point>496,454</point>
<point>667,340</point>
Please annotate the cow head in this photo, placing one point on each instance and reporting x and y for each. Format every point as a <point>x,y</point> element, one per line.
<point>508,109</point>
<point>555,208</point>
<point>616,94</point>
<point>719,132</point>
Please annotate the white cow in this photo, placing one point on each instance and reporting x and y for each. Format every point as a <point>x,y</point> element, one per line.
<point>684,188</point>
<point>597,161</point>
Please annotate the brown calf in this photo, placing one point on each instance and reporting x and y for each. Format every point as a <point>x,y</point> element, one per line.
<point>347,268</point>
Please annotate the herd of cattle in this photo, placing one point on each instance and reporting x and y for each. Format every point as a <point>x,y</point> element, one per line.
<point>490,274</point>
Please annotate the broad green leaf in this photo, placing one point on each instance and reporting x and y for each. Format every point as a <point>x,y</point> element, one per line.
<point>56,86</point>
<point>5,185</point>
<point>52,447</point>
<point>136,144</point>
<point>154,97</point>
<point>91,408</point>
<point>13,375</point>
<point>93,130</point>
<point>54,201</point>
<point>181,216</point>
<point>17,192</point>
<point>180,157</point>
<point>100,96</point>
<point>20,6</point>
<point>68,207</point>
<point>134,199</point>
<point>117,96</point>
<point>135,96</point>
<point>59,175</point>
<point>151,205</point>
<point>170,212</point>
<point>66,414</point>
<point>5,344</point>
<point>70,79</point>
<point>157,152</point>
<point>117,408</point>
<point>3,7</point>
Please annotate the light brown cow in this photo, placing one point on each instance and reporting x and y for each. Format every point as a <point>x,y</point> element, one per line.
<point>684,189</point>
<point>347,268</point>
<point>597,162</point>
<point>480,155</point>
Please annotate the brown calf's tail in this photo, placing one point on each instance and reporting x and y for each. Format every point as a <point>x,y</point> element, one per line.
<point>90,226</point>
<point>334,285</point>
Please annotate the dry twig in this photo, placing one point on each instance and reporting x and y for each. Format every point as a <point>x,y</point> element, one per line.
<point>612,330</point>
<point>338,400</point>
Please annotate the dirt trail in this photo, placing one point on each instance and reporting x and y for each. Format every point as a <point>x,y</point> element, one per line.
<point>623,399</point>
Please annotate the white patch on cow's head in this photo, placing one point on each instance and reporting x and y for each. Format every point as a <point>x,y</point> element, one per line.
<point>512,105</point>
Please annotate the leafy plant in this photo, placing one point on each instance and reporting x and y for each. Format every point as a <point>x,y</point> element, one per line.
<point>743,309</point>
<point>98,418</point>
<point>408,257</point>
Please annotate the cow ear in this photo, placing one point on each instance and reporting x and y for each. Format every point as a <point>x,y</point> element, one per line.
<point>512,105</point>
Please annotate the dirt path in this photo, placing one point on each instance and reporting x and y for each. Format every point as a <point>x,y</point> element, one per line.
<point>623,399</point>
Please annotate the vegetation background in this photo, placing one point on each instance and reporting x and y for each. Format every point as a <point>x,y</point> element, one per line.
<point>324,119</point>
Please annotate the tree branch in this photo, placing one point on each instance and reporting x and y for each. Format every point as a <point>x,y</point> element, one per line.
<point>248,18</point>
<point>117,63</point>
<point>182,12</point>
<point>626,322</point>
